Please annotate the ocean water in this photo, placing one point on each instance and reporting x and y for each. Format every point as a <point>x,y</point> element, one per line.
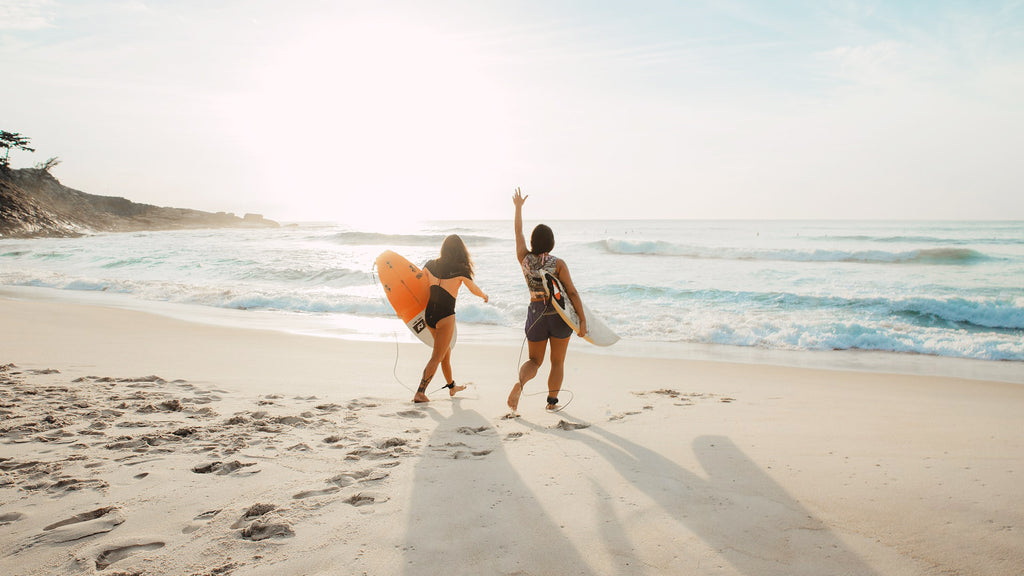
<point>933,289</point>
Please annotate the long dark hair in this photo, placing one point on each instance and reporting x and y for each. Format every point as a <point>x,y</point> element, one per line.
<point>542,240</point>
<point>455,257</point>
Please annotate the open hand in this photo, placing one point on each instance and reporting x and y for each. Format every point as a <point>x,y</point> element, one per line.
<point>519,199</point>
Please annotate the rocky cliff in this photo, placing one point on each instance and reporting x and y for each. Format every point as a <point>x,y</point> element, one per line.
<point>33,203</point>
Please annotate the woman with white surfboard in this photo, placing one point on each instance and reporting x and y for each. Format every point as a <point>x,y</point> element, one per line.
<point>543,324</point>
<point>446,275</point>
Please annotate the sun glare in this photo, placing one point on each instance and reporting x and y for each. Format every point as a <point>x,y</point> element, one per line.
<point>371,119</point>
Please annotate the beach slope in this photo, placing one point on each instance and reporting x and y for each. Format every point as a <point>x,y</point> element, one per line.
<point>132,443</point>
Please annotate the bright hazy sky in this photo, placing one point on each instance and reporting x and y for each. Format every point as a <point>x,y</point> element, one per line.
<point>337,110</point>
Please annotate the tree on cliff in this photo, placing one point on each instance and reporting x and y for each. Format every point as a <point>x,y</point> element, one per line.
<point>10,140</point>
<point>48,165</point>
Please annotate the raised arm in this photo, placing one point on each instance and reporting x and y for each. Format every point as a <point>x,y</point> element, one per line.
<point>562,271</point>
<point>521,249</point>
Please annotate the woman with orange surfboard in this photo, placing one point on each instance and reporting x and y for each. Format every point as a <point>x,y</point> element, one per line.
<point>543,324</point>
<point>446,274</point>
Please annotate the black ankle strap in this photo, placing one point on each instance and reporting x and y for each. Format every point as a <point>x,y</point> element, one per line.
<point>450,384</point>
<point>552,400</point>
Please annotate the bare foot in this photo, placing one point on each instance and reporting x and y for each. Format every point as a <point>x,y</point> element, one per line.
<point>454,389</point>
<point>420,397</point>
<point>552,406</point>
<point>513,396</point>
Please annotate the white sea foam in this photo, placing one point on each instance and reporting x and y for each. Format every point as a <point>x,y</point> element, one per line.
<point>947,289</point>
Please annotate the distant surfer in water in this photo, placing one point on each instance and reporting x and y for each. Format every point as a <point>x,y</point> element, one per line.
<point>446,274</point>
<point>543,324</point>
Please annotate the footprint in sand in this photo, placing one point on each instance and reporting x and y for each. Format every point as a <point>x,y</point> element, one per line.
<point>73,484</point>
<point>152,378</point>
<point>563,425</point>
<point>205,517</point>
<point>263,529</point>
<point>470,431</point>
<point>389,448</point>
<point>359,404</point>
<point>258,510</point>
<point>411,414</point>
<point>108,557</point>
<point>459,454</point>
<point>622,415</point>
<point>83,517</point>
<point>222,467</point>
<point>312,493</point>
<point>362,476</point>
<point>83,525</point>
<point>366,498</point>
<point>10,517</point>
<point>204,398</point>
<point>45,371</point>
<point>253,512</point>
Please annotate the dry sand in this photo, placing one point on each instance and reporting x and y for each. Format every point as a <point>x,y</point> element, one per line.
<point>137,444</point>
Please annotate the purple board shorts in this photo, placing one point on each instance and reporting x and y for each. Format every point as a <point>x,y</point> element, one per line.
<point>543,322</point>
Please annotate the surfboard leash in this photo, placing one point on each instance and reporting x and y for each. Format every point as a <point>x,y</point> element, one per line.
<point>394,333</point>
<point>519,364</point>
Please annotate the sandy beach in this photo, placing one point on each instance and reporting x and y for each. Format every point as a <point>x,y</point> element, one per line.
<point>132,443</point>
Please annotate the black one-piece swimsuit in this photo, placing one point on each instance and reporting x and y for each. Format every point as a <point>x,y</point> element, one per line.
<point>440,305</point>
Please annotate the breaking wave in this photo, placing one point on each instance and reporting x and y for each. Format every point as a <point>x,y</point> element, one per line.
<point>949,256</point>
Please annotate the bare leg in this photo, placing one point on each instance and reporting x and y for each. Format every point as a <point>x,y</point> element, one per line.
<point>527,371</point>
<point>559,346</point>
<point>446,368</point>
<point>442,341</point>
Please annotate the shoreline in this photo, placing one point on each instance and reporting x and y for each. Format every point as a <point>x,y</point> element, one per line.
<point>154,445</point>
<point>390,331</point>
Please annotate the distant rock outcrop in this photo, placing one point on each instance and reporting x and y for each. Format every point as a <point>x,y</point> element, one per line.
<point>33,203</point>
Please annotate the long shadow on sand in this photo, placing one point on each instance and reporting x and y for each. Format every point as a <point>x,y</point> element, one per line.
<point>463,522</point>
<point>738,510</point>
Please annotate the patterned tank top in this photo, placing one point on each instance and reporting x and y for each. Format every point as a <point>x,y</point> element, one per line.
<point>533,265</point>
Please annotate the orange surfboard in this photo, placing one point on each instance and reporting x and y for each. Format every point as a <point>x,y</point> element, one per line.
<point>408,290</point>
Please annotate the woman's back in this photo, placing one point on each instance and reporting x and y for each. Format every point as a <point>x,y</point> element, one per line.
<point>449,275</point>
<point>534,266</point>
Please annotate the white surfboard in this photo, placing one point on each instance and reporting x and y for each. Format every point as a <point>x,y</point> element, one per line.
<point>418,326</point>
<point>598,333</point>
